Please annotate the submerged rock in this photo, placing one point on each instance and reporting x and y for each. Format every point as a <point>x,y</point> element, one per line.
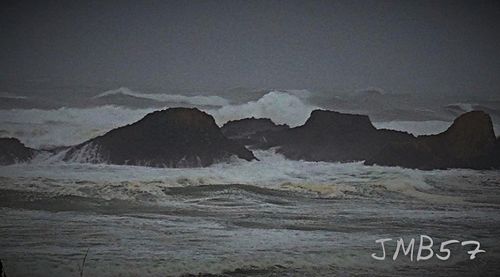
<point>176,137</point>
<point>13,151</point>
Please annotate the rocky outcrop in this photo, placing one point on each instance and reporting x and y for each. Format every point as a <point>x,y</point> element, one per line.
<point>251,131</point>
<point>332,136</point>
<point>337,137</point>
<point>492,159</point>
<point>184,137</point>
<point>176,137</point>
<point>13,151</point>
<point>468,143</point>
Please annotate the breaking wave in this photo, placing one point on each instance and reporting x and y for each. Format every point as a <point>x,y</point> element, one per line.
<point>272,173</point>
<point>418,128</point>
<point>198,100</point>
<point>7,95</point>
<point>69,126</point>
<point>269,217</point>
<point>65,126</point>
<point>415,127</point>
<point>282,107</point>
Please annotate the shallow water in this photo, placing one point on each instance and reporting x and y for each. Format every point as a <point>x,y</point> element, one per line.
<point>274,217</point>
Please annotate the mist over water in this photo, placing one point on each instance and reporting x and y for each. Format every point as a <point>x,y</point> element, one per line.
<point>96,114</point>
<point>74,70</point>
<point>268,217</point>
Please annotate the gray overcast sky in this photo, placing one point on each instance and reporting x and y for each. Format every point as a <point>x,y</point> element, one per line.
<point>400,46</point>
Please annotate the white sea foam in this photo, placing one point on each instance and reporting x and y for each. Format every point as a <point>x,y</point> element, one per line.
<point>464,107</point>
<point>64,126</point>
<point>321,179</point>
<point>69,126</point>
<point>198,100</point>
<point>417,128</point>
<point>8,95</point>
<point>225,237</point>
<point>282,107</point>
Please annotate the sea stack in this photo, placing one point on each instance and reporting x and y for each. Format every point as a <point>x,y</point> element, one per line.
<point>13,151</point>
<point>333,137</point>
<point>251,131</point>
<point>468,143</point>
<point>175,137</point>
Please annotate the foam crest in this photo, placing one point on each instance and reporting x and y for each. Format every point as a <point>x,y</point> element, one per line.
<point>8,95</point>
<point>415,127</point>
<point>418,128</point>
<point>88,153</point>
<point>273,171</point>
<point>281,107</point>
<point>65,126</point>
<point>69,126</point>
<point>198,100</point>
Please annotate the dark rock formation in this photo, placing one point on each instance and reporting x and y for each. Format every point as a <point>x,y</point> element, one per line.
<point>185,137</point>
<point>492,159</point>
<point>336,137</point>
<point>468,143</point>
<point>176,137</point>
<point>332,136</point>
<point>249,131</point>
<point>2,273</point>
<point>13,151</point>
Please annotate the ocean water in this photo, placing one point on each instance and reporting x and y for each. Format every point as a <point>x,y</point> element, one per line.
<point>273,217</point>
